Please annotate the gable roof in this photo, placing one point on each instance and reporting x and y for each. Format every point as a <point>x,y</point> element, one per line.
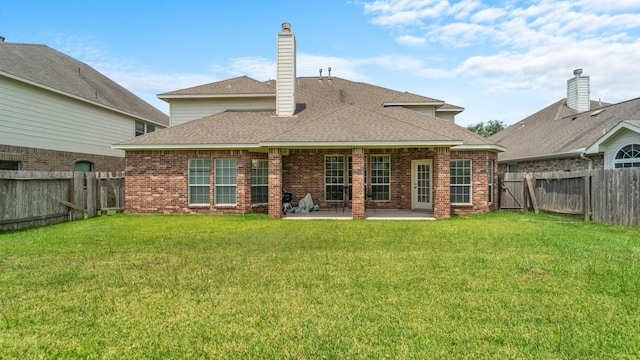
<point>330,113</point>
<point>558,131</point>
<point>44,67</point>
<point>242,85</point>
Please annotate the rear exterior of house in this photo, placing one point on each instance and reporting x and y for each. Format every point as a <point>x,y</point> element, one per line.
<point>59,114</point>
<point>572,134</point>
<point>237,145</point>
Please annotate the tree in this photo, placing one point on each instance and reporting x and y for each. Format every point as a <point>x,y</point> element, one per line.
<point>487,129</point>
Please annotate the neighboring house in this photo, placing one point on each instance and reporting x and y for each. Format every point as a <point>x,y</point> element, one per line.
<point>57,113</point>
<point>573,134</point>
<point>236,145</point>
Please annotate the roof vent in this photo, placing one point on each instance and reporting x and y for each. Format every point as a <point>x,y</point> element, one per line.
<point>2,39</point>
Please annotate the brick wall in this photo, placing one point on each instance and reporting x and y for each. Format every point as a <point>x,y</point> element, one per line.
<point>50,160</point>
<point>157,182</point>
<point>479,185</point>
<point>567,164</point>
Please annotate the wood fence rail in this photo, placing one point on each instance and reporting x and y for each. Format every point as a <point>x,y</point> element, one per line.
<point>609,196</point>
<point>37,198</point>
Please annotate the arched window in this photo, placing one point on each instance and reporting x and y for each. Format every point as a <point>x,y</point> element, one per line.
<point>627,156</point>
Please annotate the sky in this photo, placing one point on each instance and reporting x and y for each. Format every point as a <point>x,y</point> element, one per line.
<point>500,60</point>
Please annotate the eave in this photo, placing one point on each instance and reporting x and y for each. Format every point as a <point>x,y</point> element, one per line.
<point>570,154</point>
<point>294,145</point>
<point>213,96</point>
<point>496,148</point>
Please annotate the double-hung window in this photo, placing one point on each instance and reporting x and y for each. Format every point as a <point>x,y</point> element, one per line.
<point>334,176</point>
<point>199,180</point>
<point>259,181</point>
<point>460,177</point>
<point>225,181</point>
<point>381,177</point>
<point>490,180</point>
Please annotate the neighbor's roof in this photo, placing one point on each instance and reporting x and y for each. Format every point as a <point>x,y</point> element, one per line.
<point>47,68</point>
<point>330,113</point>
<point>558,131</point>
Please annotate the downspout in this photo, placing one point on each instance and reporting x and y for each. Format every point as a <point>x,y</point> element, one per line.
<point>590,160</point>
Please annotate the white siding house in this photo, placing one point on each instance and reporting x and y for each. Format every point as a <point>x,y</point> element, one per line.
<point>56,111</point>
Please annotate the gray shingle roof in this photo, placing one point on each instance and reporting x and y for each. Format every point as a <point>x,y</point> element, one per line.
<point>235,86</point>
<point>334,112</point>
<point>557,129</point>
<point>52,69</point>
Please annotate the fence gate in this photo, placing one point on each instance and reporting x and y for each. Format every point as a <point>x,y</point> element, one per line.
<point>512,192</point>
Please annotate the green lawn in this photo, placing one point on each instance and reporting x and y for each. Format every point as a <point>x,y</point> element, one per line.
<point>494,286</point>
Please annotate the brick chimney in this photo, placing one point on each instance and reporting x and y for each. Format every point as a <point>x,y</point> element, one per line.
<point>578,92</point>
<point>286,72</point>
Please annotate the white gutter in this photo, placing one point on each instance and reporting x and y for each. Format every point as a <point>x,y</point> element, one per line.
<point>184,146</point>
<point>478,147</point>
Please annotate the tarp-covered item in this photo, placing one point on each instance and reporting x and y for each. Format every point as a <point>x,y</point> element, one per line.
<point>306,204</point>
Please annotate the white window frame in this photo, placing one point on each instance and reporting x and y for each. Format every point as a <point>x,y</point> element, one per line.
<point>380,180</point>
<point>632,161</point>
<point>334,177</point>
<point>225,181</point>
<point>259,180</point>
<point>146,128</point>
<point>490,180</point>
<point>199,178</point>
<point>455,182</point>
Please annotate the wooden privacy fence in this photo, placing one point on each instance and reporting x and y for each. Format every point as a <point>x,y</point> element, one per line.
<point>609,196</point>
<point>37,198</point>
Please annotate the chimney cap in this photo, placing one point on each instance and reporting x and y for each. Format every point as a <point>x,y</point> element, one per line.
<point>286,27</point>
<point>577,72</point>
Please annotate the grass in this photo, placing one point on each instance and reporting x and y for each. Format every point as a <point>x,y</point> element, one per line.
<point>492,286</point>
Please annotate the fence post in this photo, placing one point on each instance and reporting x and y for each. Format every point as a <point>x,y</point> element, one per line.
<point>104,201</point>
<point>78,194</point>
<point>91,194</point>
<point>587,196</point>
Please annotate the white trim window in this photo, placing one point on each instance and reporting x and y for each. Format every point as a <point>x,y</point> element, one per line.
<point>199,181</point>
<point>225,181</point>
<point>334,176</point>
<point>460,177</point>
<point>490,181</point>
<point>381,177</point>
<point>628,156</point>
<point>142,128</point>
<point>259,181</point>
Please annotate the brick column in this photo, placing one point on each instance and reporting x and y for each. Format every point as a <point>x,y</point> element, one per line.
<point>357,182</point>
<point>442,183</point>
<point>244,182</point>
<point>275,183</point>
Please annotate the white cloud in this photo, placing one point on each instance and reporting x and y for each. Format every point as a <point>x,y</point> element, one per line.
<point>410,40</point>
<point>488,15</point>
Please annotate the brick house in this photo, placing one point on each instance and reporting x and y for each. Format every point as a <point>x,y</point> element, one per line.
<point>59,114</point>
<point>235,146</point>
<point>575,133</point>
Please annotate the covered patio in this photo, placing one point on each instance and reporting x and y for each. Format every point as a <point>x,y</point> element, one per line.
<point>370,214</point>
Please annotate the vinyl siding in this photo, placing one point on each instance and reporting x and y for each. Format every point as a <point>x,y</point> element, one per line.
<point>612,146</point>
<point>186,110</point>
<point>427,110</point>
<point>33,117</point>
